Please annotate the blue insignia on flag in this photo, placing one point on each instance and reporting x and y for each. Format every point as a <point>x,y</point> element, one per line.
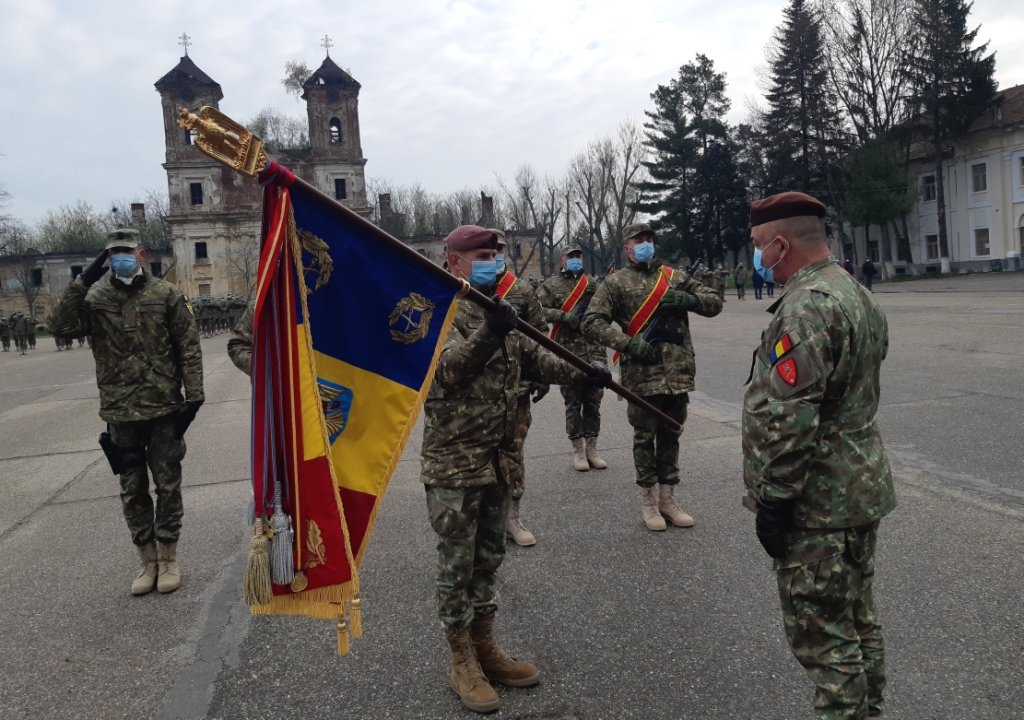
<point>337,401</point>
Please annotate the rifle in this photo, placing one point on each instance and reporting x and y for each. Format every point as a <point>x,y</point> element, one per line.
<point>653,331</point>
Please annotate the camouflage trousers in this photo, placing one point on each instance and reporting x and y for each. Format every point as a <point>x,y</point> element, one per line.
<point>154,443</point>
<point>655,447</point>
<point>825,585</point>
<point>6,340</point>
<point>513,463</point>
<point>21,342</point>
<point>470,527</point>
<point>582,410</point>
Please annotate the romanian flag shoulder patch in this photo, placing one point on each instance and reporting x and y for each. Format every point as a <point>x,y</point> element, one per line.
<point>783,346</point>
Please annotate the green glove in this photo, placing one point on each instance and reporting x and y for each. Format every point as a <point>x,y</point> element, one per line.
<point>641,350</point>
<point>570,320</point>
<point>680,300</point>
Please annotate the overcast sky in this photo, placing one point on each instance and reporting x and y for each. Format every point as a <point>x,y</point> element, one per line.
<point>452,92</point>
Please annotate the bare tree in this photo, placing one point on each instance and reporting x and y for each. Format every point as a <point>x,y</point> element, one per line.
<point>25,278</point>
<point>518,199</point>
<point>623,196</point>
<point>243,259</point>
<point>590,175</point>
<point>295,74</point>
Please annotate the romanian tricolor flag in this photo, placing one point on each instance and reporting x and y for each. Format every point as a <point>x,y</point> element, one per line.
<point>358,328</point>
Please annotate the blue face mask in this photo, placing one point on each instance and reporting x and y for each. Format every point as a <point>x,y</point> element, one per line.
<point>643,252</point>
<point>765,272</point>
<point>500,260</point>
<point>485,272</point>
<point>124,264</point>
<point>574,265</point>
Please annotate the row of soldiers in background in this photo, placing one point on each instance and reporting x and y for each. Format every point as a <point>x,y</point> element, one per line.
<point>66,342</point>
<point>217,315</point>
<point>20,328</point>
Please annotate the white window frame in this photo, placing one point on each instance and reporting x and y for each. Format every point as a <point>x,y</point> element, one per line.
<point>928,246</point>
<point>924,185</point>
<point>974,177</point>
<point>974,245</point>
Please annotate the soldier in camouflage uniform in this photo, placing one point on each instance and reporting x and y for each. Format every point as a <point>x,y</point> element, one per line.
<point>661,371</point>
<point>240,342</point>
<point>146,347</point>
<point>19,327</point>
<point>469,431</point>
<point>523,298</point>
<point>582,402</point>
<point>814,464</point>
<point>5,333</point>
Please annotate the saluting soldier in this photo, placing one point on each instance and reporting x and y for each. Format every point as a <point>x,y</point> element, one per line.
<point>146,348</point>
<point>814,462</point>
<point>660,369</point>
<point>565,298</point>
<point>523,298</point>
<point>469,429</point>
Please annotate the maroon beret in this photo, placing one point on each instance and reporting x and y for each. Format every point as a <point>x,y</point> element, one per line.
<point>785,205</point>
<point>470,237</point>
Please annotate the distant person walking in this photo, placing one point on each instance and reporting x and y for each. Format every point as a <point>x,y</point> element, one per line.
<point>758,282</point>
<point>868,271</point>
<point>739,278</point>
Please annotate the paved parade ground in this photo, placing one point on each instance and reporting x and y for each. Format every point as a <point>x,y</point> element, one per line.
<point>624,623</point>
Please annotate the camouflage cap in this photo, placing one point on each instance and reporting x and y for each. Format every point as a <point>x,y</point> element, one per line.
<point>470,237</point>
<point>785,205</point>
<point>635,230</point>
<point>123,238</point>
<point>571,249</point>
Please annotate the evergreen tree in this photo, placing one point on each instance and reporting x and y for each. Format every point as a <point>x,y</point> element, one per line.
<point>878,190</point>
<point>802,124</point>
<point>951,82</point>
<point>694,187</point>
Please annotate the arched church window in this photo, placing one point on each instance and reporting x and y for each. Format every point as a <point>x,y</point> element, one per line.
<point>335,130</point>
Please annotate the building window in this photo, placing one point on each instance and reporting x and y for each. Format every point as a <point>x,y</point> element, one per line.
<point>76,270</point>
<point>196,191</point>
<point>931,247</point>
<point>979,178</point>
<point>156,269</point>
<point>340,193</point>
<point>191,136</point>
<point>201,251</point>
<point>37,277</point>
<point>928,188</point>
<point>873,251</point>
<point>981,241</point>
<point>335,130</point>
<point>1021,232</point>
<point>204,289</point>
<point>1021,169</point>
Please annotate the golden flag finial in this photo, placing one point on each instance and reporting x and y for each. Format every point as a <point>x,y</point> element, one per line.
<point>224,140</point>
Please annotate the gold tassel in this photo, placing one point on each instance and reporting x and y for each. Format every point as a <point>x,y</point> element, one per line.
<point>256,583</point>
<point>342,637</point>
<point>356,618</point>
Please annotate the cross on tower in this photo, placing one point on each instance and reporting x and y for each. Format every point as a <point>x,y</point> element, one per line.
<point>185,41</point>
<point>327,44</point>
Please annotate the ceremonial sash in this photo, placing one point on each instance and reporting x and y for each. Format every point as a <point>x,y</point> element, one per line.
<point>646,310</point>
<point>571,302</point>
<point>507,281</point>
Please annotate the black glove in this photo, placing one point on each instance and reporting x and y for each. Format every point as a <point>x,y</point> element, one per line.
<point>641,350</point>
<point>502,320</point>
<point>185,415</point>
<point>680,300</point>
<point>538,390</point>
<point>573,321</point>
<point>772,525</point>
<point>96,269</point>
<point>601,375</point>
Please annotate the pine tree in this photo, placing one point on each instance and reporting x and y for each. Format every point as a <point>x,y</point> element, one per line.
<point>802,123</point>
<point>952,83</point>
<point>694,188</point>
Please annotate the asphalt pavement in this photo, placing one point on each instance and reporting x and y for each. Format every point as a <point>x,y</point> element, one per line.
<point>624,623</point>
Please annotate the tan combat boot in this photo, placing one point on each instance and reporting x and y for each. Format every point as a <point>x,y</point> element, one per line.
<point>667,506</point>
<point>146,579</point>
<point>467,679</point>
<point>515,528</point>
<point>579,455</point>
<point>652,518</point>
<point>593,459</point>
<point>170,574</point>
<point>495,663</point>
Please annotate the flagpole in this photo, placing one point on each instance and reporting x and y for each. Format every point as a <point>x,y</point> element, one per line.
<point>445,277</point>
<point>226,141</point>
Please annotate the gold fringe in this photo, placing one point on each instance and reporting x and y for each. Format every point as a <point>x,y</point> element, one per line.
<point>342,637</point>
<point>355,617</point>
<point>256,582</point>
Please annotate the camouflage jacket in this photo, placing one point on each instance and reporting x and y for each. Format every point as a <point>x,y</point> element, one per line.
<point>5,328</point>
<point>809,429</point>
<point>240,342</point>
<point>22,325</point>
<point>470,411</point>
<point>143,340</point>
<point>617,300</point>
<point>552,295</point>
<point>524,299</point>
